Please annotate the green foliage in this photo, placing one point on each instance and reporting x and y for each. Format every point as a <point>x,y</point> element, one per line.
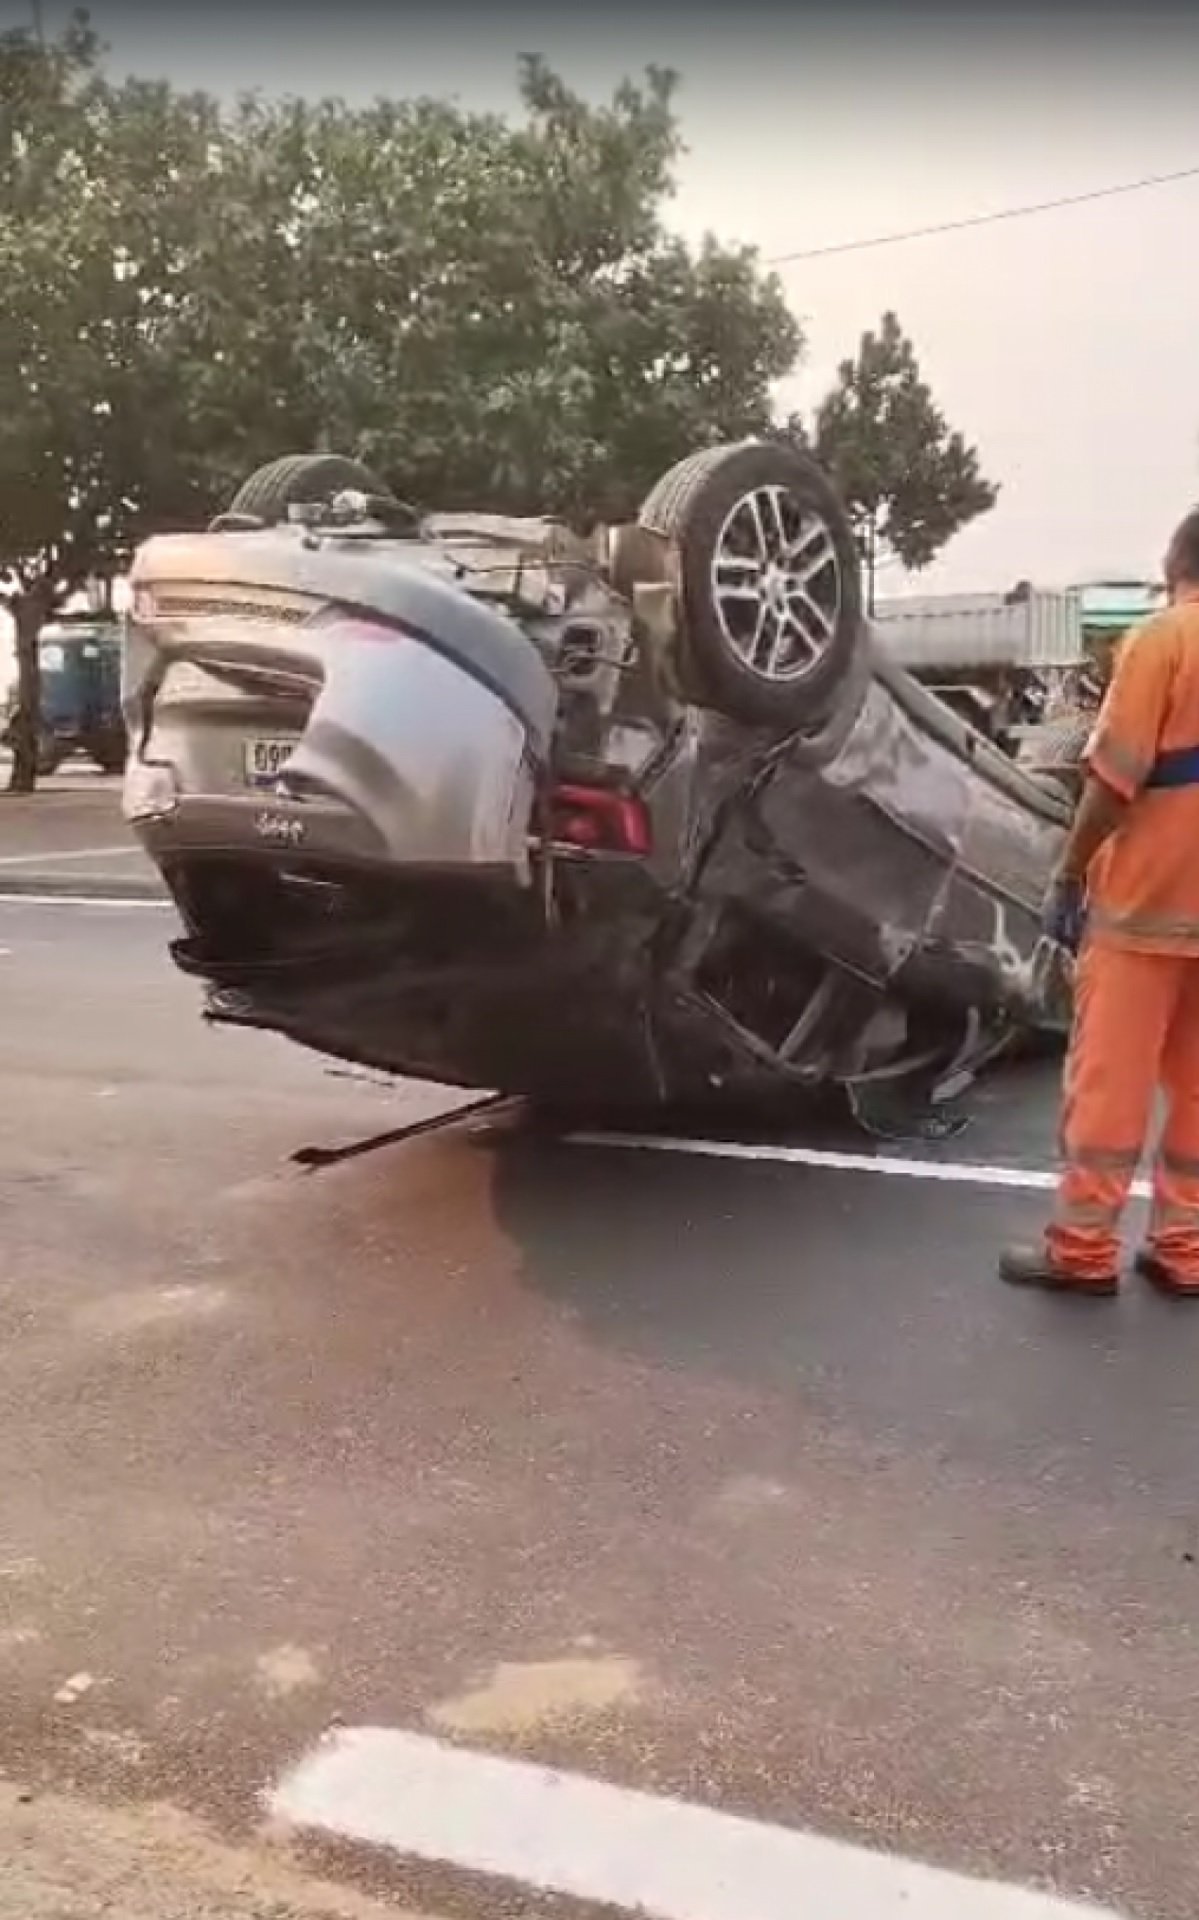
<point>95,190</point>
<point>94,187</point>
<point>488,311</point>
<point>909,482</point>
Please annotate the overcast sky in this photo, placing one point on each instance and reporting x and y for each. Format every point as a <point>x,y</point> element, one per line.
<point>1066,345</point>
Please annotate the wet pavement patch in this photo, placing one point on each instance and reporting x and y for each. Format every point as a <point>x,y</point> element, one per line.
<point>525,1695</point>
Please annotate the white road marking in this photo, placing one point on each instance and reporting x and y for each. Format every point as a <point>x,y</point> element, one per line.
<point>123,852</point>
<point>82,900</point>
<point>956,1172</point>
<point>563,1833</point>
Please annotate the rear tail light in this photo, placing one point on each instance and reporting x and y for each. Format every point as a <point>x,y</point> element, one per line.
<point>599,820</point>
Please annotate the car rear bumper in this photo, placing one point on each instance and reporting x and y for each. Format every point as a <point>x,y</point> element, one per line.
<point>460,979</point>
<point>466,981</point>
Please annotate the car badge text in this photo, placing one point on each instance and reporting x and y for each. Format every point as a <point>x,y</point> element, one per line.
<point>281,828</point>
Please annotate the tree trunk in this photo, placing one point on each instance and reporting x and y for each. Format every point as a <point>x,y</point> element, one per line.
<point>29,611</point>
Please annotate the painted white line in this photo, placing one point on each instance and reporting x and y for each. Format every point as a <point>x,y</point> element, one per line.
<point>956,1172</point>
<point>123,852</point>
<point>83,900</point>
<point>66,796</point>
<point>565,1834</point>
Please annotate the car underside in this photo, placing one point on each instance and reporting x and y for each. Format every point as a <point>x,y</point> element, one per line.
<point>634,822</point>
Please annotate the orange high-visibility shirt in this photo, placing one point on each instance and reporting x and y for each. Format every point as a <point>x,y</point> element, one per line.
<point>1143,885</point>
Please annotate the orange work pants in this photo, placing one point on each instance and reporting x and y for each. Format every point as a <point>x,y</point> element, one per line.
<point>1136,1029</point>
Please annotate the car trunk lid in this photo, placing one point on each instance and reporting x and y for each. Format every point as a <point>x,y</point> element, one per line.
<point>290,704</point>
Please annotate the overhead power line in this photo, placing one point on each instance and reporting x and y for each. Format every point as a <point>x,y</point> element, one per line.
<point>984,219</point>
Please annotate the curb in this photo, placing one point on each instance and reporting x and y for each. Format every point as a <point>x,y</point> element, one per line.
<point>81,887</point>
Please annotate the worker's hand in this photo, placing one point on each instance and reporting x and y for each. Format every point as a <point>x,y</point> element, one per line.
<point>1063,916</point>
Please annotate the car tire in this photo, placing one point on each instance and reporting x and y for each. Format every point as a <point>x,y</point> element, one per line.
<point>767,574</point>
<point>299,479</point>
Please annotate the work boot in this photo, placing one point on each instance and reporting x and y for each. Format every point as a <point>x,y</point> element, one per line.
<point>1035,1267</point>
<point>1159,1275</point>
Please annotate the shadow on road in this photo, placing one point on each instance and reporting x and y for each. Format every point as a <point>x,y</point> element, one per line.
<point>870,1299</point>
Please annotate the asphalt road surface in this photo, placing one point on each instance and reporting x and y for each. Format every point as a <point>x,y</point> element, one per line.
<point>719,1486</point>
<point>70,838</point>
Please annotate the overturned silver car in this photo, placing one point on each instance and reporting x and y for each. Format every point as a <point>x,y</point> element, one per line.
<point>639,821</point>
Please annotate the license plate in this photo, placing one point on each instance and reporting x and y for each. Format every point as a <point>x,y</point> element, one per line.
<point>266,759</point>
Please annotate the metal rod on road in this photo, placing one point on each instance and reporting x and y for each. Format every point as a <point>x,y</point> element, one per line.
<point>313,1158</point>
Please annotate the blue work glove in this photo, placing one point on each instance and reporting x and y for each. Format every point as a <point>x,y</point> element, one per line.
<point>1064,914</point>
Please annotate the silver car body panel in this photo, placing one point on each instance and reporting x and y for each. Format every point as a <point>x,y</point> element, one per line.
<point>430,740</point>
<point>406,582</point>
<point>853,901</point>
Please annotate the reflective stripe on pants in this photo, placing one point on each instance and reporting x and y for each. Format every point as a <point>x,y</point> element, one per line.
<point>1136,1027</point>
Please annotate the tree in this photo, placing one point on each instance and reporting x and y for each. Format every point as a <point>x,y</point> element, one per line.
<point>909,482</point>
<point>489,311</point>
<point>93,184</point>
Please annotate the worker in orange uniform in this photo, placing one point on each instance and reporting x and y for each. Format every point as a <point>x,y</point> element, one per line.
<point>1125,898</point>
